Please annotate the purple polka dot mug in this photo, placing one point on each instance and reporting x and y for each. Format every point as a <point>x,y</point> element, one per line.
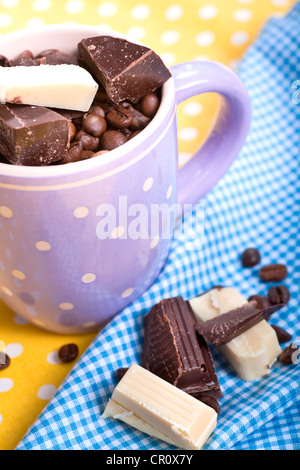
<point>78,241</point>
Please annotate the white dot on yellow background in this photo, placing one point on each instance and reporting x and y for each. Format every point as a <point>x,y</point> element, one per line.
<point>148,184</point>
<point>207,12</point>
<point>242,15</point>
<point>66,306</point>
<point>117,232</point>
<point>81,212</point>
<point>6,384</point>
<point>140,12</point>
<point>184,158</point>
<point>74,6</point>
<point>88,278</point>
<point>107,9</point>
<point>46,392</point>
<point>6,212</point>
<point>9,3</point>
<point>280,3</point>
<point>5,19</point>
<point>41,5</point>
<point>239,38</point>
<point>193,108</point>
<point>53,358</point>
<point>43,246</point>
<point>18,274</point>
<point>14,350</point>
<point>188,133</point>
<point>136,32</point>
<point>35,22</point>
<point>174,12</point>
<point>127,292</point>
<point>170,37</point>
<point>1,419</point>
<point>205,38</point>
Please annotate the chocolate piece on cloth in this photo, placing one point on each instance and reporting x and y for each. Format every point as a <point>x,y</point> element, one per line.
<point>223,328</point>
<point>127,71</point>
<point>173,351</point>
<point>33,135</point>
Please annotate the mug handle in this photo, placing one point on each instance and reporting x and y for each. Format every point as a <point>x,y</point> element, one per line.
<point>229,132</point>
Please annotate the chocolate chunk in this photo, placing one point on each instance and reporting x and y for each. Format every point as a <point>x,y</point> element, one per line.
<point>290,354</point>
<point>4,62</point>
<point>282,335</point>
<point>210,401</point>
<point>68,352</point>
<point>32,135</point>
<point>250,257</point>
<point>273,272</point>
<point>126,70</point>
<point>225,327</point>
<point>173,351</point>
<point>4,360</point>
<point>119,373</point>
<point>261,301</point>
<point>279,294</point>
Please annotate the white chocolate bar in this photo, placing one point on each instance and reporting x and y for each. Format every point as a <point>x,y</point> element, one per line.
<point>252,353</point>
<point>158,408</point>
<point>57,86</point>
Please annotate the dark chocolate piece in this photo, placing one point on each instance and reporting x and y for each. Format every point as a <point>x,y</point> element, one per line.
<point>173,351</point>
<point>32,135</point>
<point>126,70</point>
<point>282,335</point>
<point>223,328</point>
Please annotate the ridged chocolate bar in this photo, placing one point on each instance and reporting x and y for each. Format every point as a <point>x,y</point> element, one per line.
<point>173,351</point>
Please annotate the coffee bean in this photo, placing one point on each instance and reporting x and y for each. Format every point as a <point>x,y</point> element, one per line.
<point>88,141</point>
<point>149,105</point>
<point>26,53</point>
<point>139,120</point>
<point>24,61</point>
<point>68,352</point>
<point>262,301</point>
<point>290,354</point>
<point>210,401</point>
<point>250,257</point>
<point>273,273</point>
<point>45,53</point>
<point>4,360</point>
<point>282,335</point>
<point>59,58</point>
<point>4,62</point>
<point>279,295</point>
<point>94,124</point>
<point>73,131</point>
<point>119,373</point>
<point>112,139</point>
<point>119,117</point>
<point>74,153</point>
<point>86,154</point>
<point>97,109</point>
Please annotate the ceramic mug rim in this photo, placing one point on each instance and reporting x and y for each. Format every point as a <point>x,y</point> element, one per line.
<point>128,149</point>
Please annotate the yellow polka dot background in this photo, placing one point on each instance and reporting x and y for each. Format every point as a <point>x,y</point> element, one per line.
<point>178,30</point>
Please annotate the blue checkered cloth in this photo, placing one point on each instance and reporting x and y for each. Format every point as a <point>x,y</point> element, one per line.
<point>255,204</point>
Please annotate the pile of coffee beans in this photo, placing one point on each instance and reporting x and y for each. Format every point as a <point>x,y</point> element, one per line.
<point>280,294</point>
<point>107,125</point>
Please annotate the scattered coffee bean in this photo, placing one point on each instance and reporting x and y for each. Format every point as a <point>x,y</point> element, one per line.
<point>119,117</point>
<point>290,354</point>
<point>273,273</point>
<point>250,257</point>
<point>4,360</point>
<point>149,105</point>
<point>261,301</point>
<point>282,335</point>
<point>4,62</point>
<point>119,373</point>
<point>94,124</point>
<point>210,401</point>
<point>279,295</point>
<point>112,139</point>
<point>68,352</point>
